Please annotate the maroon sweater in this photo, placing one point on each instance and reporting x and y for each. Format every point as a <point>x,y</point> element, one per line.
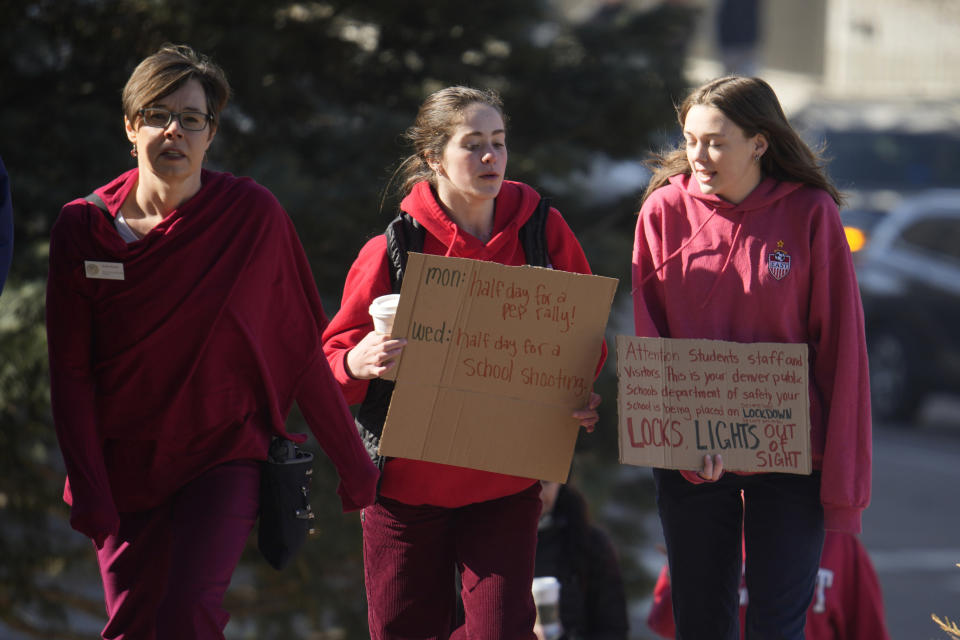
<point>847,602</point>
<point>194,357</point>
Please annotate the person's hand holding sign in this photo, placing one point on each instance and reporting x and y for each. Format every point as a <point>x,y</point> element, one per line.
<point>712,468</point>
<point>588,416</point>
<point>710,472</point>
<point>376,354</point>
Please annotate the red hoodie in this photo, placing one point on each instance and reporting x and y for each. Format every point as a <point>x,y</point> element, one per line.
<point>413,481</point>
<point>773,268</point>
<point>193,357</point>
<point>847,602</point>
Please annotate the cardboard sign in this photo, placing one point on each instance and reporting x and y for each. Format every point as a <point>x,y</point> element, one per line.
<point>497,359</point>
<point>679,400</point>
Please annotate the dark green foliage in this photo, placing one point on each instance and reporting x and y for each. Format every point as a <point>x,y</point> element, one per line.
<point>322,92</point>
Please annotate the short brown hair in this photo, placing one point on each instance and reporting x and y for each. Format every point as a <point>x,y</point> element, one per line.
<point>165,71</point>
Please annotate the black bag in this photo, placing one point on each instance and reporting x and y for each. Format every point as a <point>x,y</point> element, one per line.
<point>285,513</point>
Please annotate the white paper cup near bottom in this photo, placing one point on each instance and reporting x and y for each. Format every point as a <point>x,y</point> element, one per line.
<point>546,596</point>
<point>383,310</point>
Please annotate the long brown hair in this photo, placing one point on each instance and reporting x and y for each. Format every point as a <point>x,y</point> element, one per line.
<point>751,104</point>
<point>436,119</point>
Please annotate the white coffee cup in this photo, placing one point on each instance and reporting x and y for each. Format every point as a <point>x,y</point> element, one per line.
<point>383,310</point>
<point>546,596</point>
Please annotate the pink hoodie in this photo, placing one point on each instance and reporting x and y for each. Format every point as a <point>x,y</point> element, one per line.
<point>773,268</point>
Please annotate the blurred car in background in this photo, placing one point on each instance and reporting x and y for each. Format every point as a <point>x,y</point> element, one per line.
<point>908,267</point>
<point>880,151</point>
<point>898,164</point>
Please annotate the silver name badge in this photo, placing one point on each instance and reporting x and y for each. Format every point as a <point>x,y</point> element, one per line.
<point>103,270</point>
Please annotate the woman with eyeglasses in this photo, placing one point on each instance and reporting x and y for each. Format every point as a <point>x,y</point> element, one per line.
<point>182,321</point>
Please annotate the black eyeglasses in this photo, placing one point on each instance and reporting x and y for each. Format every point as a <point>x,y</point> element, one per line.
<point>189,120</point>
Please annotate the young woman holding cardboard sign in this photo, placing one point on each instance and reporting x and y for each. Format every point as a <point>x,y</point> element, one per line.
<point>739,238</point>
<point>430,519</point>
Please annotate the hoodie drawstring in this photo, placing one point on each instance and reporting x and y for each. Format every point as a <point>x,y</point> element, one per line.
<point>733,244</point>
<point>453,241</point>
<point>686,243</point>
<point>677,252</point>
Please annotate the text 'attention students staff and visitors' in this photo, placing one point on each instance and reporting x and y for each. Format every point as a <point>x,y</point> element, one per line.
<point>170,376</point>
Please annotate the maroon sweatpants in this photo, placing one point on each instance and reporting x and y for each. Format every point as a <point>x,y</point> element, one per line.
<point>166,571</point>
<point>411,554</point>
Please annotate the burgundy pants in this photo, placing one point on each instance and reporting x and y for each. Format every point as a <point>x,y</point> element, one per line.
<point>166,571</point>
<point>411,554</point>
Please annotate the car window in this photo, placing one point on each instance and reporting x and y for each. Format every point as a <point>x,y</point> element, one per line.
<point>936,235</point>
<point>864,219</point>
<point>861,159</point>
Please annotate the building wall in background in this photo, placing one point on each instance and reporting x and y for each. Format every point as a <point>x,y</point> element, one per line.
<point>847,48</point>
<point>893,47</point>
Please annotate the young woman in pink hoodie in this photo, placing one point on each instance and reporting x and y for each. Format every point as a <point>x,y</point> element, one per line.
<point>739,238</point>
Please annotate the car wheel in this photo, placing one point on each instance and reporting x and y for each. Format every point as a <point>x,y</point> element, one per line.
<point>895,394</point>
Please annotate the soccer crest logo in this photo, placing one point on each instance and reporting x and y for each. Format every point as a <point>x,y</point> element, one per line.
<point>778,262</point>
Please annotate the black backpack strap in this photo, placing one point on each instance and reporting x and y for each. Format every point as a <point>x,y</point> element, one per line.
<point>404,234</point>
<point>533,236</point>
<point>95,199</point>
